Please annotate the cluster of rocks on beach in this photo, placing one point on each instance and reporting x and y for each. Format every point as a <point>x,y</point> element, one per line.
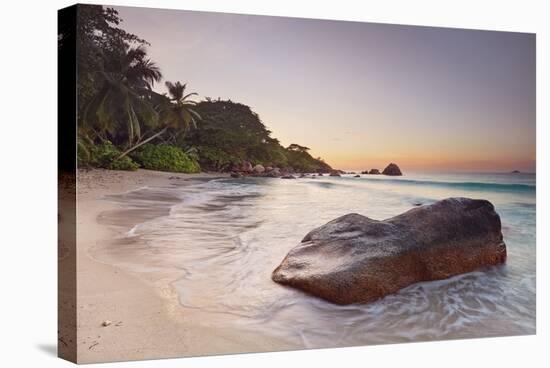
<point>247,169</point>
<point>370,259</point>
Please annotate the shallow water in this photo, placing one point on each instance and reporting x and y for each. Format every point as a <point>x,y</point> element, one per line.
<point>217,243</point>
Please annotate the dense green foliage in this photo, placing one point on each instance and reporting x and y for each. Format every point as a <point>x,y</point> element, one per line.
<point>120,115</point>
<point>104,155</point>
<point>230,133</point>
<point>120,110</point>
<point>164,157</point>
<point>123,163</point>
<point>98,33</point>
<point>299,158</point>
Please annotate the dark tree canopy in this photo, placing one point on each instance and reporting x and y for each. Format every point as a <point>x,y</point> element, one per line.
<point>231,132</point>
<point>120,116</point>
<point>297,147</point>
<point>97,32</point>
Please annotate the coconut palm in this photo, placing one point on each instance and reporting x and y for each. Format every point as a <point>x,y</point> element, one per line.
<point>122,108</point>
<point>175,113</point>
<point>180,113</point>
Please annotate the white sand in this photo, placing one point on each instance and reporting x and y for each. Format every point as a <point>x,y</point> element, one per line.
<point>146,322</point>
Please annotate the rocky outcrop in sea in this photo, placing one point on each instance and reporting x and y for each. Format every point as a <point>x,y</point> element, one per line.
<point>355,259</point>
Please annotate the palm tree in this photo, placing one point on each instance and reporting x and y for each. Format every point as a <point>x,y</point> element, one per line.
<point>122,108</point>
<point>181,114</point>
<point>175,112</point>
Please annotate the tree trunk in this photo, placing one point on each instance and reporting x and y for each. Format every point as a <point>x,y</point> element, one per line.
<point>103,140</point>
<point>141,143</point>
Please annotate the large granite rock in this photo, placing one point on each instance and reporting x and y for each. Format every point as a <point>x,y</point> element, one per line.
<point>258,169</point>
<point>355,259</point>
<point>273,173</point>
<point>392,169</point>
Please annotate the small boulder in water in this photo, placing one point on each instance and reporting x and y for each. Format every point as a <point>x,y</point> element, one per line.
<point>374,172</point>
<point>392,170</point>
<point>355,259</point>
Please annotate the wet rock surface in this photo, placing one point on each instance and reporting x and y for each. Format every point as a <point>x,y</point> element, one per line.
<point>355,259</point>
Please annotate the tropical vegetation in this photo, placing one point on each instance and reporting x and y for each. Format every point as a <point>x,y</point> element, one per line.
<point>164,157</point>
<point>125,122</point>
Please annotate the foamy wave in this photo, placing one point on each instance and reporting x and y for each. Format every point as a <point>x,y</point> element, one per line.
<point>224,237</point>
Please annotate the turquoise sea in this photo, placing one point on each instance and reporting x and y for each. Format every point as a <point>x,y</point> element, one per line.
<point>219,240</point>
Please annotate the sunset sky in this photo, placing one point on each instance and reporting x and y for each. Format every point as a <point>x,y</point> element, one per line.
<point>360,95</point>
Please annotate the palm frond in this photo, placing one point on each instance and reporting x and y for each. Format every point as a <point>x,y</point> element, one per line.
<point>189,95</point>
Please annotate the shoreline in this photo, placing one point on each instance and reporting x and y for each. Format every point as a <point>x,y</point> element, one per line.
<point>160,327</point>
<point>147,305</point>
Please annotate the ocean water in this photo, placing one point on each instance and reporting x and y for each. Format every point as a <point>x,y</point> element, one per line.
<point>216,243</point>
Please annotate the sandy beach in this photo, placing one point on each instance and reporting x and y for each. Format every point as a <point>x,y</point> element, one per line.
<point>181,266</point>
<point>179,238</point>
<point>146,321</point>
